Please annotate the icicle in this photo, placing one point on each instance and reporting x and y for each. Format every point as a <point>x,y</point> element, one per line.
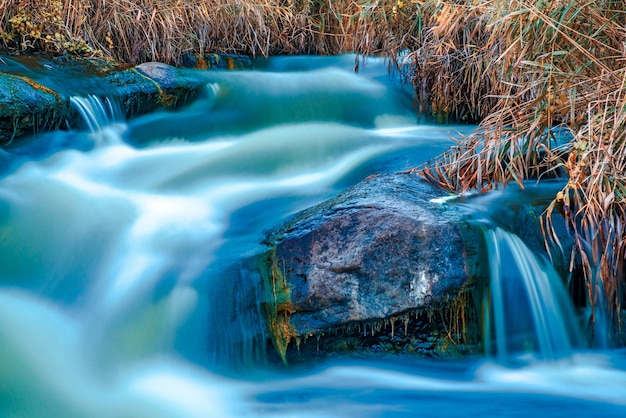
<point>318,336</point>
<point>298,341</point>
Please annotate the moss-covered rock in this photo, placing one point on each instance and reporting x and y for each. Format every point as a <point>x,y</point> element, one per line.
<point>27,106</point>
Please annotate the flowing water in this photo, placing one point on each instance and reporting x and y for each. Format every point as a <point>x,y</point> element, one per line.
<point>116,242</point>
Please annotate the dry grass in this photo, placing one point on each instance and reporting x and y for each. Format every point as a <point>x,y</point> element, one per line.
<point>135,31</point>
<point>531,71</point>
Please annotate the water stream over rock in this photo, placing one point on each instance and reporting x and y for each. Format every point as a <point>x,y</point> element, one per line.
<point>117,244</point>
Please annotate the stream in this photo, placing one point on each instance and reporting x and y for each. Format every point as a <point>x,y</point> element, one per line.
<point>112,239</point>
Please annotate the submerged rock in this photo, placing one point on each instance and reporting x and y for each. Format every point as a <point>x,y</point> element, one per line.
<point>379,252</point>
<point>216,61</point>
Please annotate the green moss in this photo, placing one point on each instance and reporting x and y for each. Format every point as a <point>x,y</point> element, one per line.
<point>27,106</point>
<point>276,305</point>
<point>39,87</point>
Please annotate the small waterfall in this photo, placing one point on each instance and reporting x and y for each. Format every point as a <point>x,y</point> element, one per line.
<point>97,112</point>
<point>527,309</point>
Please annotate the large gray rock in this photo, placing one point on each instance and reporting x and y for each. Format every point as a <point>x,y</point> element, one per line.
<point>375,252</point>
<point>384,267</point>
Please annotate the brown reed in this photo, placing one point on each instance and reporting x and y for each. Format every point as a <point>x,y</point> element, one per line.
<point>546,80</point>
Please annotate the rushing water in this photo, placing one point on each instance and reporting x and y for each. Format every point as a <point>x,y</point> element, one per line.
<point>114,243</point>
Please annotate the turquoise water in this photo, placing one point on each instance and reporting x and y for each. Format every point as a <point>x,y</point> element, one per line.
<point>112,241</point>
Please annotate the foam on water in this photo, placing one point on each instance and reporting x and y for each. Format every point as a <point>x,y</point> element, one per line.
<point>64,380</point>
<point>48,370</point>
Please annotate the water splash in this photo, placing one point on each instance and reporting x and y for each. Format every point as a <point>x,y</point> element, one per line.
<point>526,307</point>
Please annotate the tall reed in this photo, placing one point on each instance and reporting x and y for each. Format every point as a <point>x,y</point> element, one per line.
<point>547,81</point>
<point>135,31</point>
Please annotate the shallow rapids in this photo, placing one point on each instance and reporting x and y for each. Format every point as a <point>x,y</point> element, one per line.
<point>112,240</point>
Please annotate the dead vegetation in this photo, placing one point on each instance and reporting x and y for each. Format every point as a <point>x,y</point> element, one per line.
<point>134,31</point>
<point>546,80</point>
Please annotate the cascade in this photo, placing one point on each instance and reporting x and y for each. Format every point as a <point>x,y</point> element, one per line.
<point>526,308</point>
<point>97,112</point>
<point>122,292</point>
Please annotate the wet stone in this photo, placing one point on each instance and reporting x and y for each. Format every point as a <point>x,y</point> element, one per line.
<point>373,253</point>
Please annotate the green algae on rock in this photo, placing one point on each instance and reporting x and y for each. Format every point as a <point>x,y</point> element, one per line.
<point>27,106</point>
<point>35,92</point>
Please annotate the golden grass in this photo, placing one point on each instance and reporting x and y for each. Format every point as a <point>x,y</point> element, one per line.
<point>529,70</point>
<point>135,31</point>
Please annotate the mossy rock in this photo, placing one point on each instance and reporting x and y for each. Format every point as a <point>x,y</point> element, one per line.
<point>39,102</point>
<point>175,86</point>
<point>27,107</point>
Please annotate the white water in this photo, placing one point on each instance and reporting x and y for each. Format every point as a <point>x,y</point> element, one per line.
<point>109,254</point>
<point>97,113</point>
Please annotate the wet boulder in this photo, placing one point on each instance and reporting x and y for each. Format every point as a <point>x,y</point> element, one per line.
<point>174,85</point>
<point>27,106</point>
<point>374,254</point>
<point>36,97</point>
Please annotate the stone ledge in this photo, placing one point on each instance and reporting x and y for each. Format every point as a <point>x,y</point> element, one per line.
<point>34,99</point>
